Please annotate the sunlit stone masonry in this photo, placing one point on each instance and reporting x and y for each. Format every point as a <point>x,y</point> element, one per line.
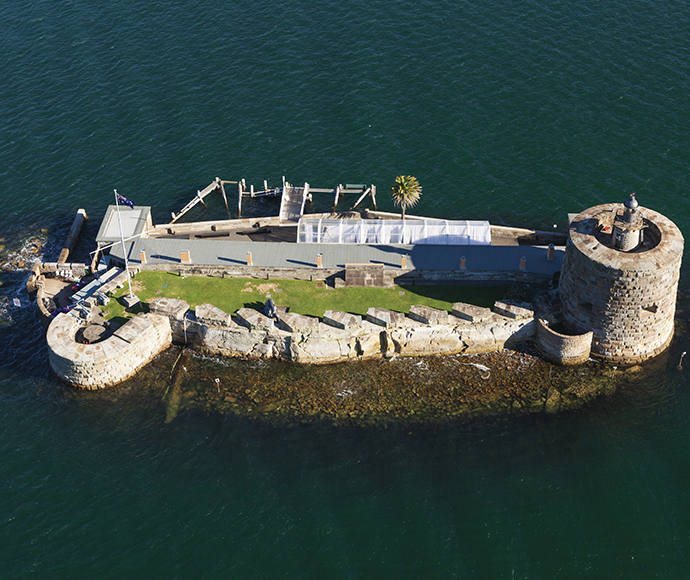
<point>620,279</point>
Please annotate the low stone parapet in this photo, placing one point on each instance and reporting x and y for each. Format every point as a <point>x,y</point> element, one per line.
<point>68,270</point>
<point>111,361</point>
<point>343,336</point>
<point>428,315</point>
<point>212,315</point>
<point>298,323</point>
<point>170,307</point>
<point>365,275</point>
<point>344,320</point>
<point>385,318</point>
<point>253,319</point>
<point>515,309</point>
<point>467,339</point>
<point>470,312</point>
<point>560,348</point>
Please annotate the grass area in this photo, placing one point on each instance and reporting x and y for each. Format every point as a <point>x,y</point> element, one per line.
<point>310,298</point>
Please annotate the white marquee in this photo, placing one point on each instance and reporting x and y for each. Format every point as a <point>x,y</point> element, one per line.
<point>407,232</point>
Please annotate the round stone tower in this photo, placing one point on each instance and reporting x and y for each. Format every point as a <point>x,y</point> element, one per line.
<point>619,279</point>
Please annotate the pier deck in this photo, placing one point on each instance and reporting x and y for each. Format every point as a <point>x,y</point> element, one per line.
<point>292,203</point>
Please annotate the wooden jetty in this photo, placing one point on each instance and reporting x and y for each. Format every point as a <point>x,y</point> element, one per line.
<point>199,198</point>
<point>292,201</point>
<point>265,192</point>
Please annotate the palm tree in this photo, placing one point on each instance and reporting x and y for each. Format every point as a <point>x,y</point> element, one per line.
<point>406,192</point>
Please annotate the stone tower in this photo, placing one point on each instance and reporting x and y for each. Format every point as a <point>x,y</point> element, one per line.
<point>619,279</point>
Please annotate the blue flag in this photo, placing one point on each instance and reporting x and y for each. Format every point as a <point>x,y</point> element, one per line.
<point>124,201</point>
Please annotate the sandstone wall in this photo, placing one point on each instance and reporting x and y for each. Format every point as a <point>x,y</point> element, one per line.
<point>74,269</point>
<point>327,344</point>
<point>110,361</point>
<point>39,286</point>
<point>391,276</point>
<point>560,348</point>
<point>627,300</point>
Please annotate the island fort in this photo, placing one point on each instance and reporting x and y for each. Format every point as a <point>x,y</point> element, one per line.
<point>609,285</point>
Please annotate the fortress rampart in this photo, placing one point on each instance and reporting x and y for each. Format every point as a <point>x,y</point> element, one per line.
<point>626,298</point>
<point>110,361</point>
<point>306,340</point>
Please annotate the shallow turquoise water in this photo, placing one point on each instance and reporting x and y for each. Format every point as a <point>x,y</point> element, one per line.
<point>513,112</point>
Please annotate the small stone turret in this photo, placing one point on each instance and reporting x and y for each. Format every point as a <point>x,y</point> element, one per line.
<point>627,226</point>
<point>620,278</point>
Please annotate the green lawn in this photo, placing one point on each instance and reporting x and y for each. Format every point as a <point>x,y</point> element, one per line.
<point>310,298</point>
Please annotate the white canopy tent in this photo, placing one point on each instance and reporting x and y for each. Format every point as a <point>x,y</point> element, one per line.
<point>406,232</point>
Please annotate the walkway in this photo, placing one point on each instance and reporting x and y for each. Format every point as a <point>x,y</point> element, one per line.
<point>292,203</point>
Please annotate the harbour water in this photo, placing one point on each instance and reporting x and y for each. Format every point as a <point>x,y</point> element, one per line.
<point>513,112</point>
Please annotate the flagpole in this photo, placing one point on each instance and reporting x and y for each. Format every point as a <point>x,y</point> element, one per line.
<point>122,238</point>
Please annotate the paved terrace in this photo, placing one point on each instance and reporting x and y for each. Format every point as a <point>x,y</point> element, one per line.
<point>225,252</point>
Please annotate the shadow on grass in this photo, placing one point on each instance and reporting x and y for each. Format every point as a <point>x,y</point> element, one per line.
<point>138,308</point>
<point>128,313</point>
<point>477,295</point>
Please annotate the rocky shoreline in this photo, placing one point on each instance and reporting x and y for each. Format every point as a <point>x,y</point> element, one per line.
<point>396,389</point>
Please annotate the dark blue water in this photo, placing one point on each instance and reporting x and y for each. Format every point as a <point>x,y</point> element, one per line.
<point>513,112</point>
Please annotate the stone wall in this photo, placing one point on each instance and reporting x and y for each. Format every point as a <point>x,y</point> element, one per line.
<point>73,270</point>
<point>110,361</point>
<point>365,275</point>
<point>37,284</point>
<point>627,299</point>
<point>323,343</point>
<point>335,275</point>
<point>562,349</point>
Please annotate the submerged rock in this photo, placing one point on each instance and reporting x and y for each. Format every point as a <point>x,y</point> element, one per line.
<point>399,389</point>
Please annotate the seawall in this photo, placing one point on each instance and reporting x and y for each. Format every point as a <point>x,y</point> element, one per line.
<point>303,339</point>
<point>110,361</point>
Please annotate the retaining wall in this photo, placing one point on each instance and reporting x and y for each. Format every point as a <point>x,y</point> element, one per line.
<point>327,344</point>
<point>391,276</point>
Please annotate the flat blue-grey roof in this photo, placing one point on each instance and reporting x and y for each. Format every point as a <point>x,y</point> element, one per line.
<point>291,255</point>
<point>133,222</point>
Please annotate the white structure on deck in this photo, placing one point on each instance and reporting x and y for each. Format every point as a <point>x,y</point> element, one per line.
<point>436,232</point>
